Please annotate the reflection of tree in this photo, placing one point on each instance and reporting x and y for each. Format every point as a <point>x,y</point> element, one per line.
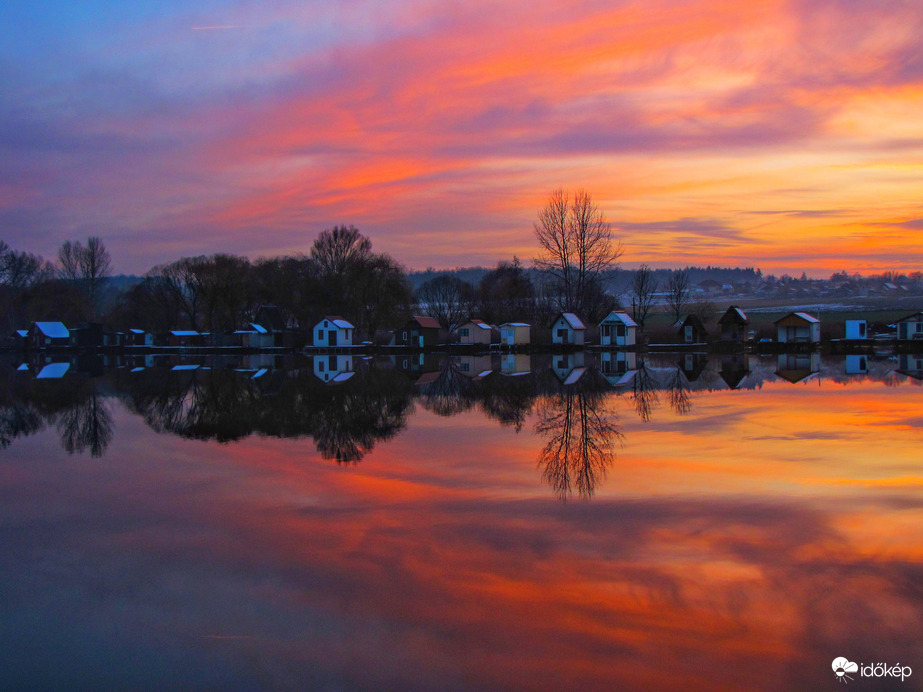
<point>18,421</point>
<point>680,400</point>
<point>345,420</point>
<point>86,425</point>
<point>449,393</point>
<point>581,434</point>
<point>645,394</point>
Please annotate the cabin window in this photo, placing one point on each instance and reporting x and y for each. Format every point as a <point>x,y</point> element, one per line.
<point>463,333</point>
<point>321,366</point>
<point>320,335</point>
<point>605,330</point>
<point>620,330</point>
<point>325,324</point>
<point>562,333</point>
<point>465,367</point>
<point>404,336</point>
<point>862,329</point>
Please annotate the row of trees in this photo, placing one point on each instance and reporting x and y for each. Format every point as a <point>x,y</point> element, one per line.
<point>341,274</point>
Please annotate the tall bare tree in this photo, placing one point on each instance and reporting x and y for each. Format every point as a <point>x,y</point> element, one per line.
<point>577,247</point>
<point>643,288</point>
<point>88,266</point>
<point>678,293</point>
<point>447,298</point>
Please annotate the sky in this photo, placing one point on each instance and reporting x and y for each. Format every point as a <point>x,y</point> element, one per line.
<point>783,134</point>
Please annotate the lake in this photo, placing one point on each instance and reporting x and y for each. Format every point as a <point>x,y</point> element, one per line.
<point>571,522</point>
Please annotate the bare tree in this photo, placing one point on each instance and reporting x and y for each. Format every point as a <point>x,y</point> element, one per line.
<point>577,247</point>
<point>87,266</point>
<point>643,288</point>
<point>678,293</point>
<point>447,298</point>
<point>338,249</point>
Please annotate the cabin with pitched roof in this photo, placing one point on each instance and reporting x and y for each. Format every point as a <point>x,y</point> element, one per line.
<point>475,332</point>
<point>515,333</point>
<point>692,330</point>
<point>333,331</point>
<point>798,328</point>
<point>910,328</point>
<point>618,329</point>
<point>420,331</point>
<point>734,324</point>
<point>568,329</point>
<point>48,335</point>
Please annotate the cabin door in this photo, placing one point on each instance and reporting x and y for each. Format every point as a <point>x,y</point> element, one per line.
<point>332,337</point>
<point>688,333</point>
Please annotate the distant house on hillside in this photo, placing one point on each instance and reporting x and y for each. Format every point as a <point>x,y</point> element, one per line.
<point>333,331</point>
<point>475,332</point>
<point>910,327</point>
<point>798,327</point>
<point>48,335</point>
<point>734,324</point>
<point>419,332</point>
<point>568,329</point>
<point>618,329</point>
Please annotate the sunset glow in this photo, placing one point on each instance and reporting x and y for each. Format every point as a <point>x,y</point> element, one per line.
<point>784,134</point>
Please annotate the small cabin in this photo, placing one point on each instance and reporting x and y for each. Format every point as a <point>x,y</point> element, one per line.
<point>185,337</point>
<point>515,364</point>
<point>856,329</point>
<point>734,324</point>
<point>618,329</point>
<point>333,331</point>
<point>910,328</point>
<point>515,333</point>
<point>569,367</point>
<point>798,328</point>
<point>692,330</point>
<point>48,335</point>
<point>475,332</point>
<point>420,332</point>
<point>568,329</point>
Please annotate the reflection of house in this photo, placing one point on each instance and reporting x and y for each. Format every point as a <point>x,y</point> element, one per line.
<point>734,369</point>
<point>692,330</point>
<point>48,335</point>
<point>856,329</point>
<point>734,324</point>
<point>515,333</point>
<point>798,327</point>
<point>857,365</point>
<point>333,369</point>
<point>618,366</point>
<point>910,327</point>
<point>474,332</point>
<point>692,365</point>
<point>798,367</point>
<point>474,366</point>
<point>569,367</point>
<point>53,371</point>
<point>515,364</point>
<point>420,332</point>
<point>414,363</point>
<point>911,364</point>
<point>618,329</point>
<point>568,329</point>
<point>333,331</point>
<point>257,336</point>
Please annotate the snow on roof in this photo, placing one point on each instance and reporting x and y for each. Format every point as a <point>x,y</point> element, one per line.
<point>808,318</point>
<point>478,323</point>
<point>23,332</point>
<point>24,366</point>
<point>53,330</point>
<point>740,313</point>
<point>515,324</point>
<point>185,367</point>
<point>342,377</point>
<point>343,324</point>
<point>138,369</point>
<point>258,328</point>
<point>136,331</point>
<point>259,373</point>
<point>53,371</point>
<point>184,332</point>
<point>573,320</point>
<point>622,317</point>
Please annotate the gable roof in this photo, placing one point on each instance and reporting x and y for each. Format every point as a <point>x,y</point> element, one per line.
<point>732,314</point>
<point>53,371</point>
<point>53,330</point>
<point>572,320</point>
<point>515,324</point>
<point>478,323</point>
<point>801,315</point>
<point>916,317</point>
<point>426,321</point>
<point>622,317</point>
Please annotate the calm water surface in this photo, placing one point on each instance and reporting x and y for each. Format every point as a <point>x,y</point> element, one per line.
<point>474,524</point>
